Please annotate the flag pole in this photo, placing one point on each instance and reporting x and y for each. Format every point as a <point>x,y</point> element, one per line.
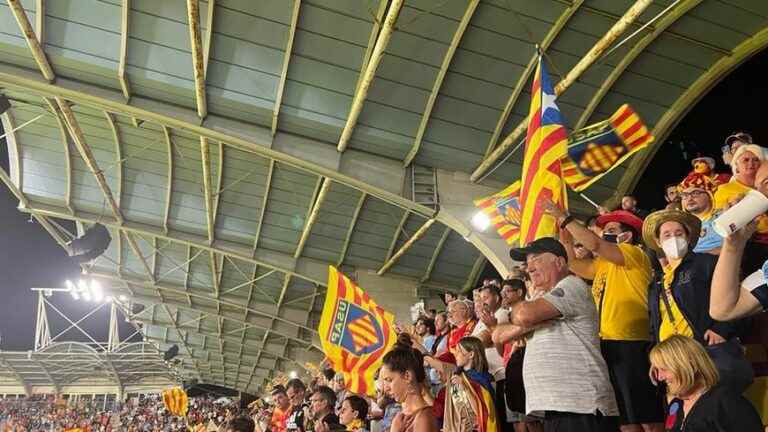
<point>597,206</point>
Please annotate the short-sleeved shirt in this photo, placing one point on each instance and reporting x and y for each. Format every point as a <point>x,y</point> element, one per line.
<point>495,361</point>
<point>621,295</point>
<point>563,369</point>
<point>709,238</point>
<point>757,284</point>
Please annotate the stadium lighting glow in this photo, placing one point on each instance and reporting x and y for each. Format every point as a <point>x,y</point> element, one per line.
<point>293,374</point>
<point>96,291</point>
<point>108,299</point>
<point>122,298</point>
<point>481,221</point>
<point>75,295</point>
<point>87,296</point>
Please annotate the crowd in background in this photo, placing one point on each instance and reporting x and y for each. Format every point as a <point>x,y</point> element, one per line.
<point>47,414</point>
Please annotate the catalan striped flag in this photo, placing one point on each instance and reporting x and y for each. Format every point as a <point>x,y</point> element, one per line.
<point>478,389</point>
<point>355,333</point>
<point>545,146</point>
<point>503,210</point>
<point>597,149</point>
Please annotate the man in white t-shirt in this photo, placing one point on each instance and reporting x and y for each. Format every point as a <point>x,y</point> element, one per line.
<point>490,315</point>
<point>564,373</point>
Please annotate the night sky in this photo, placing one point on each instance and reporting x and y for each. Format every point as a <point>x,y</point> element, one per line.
<point>30,258</point>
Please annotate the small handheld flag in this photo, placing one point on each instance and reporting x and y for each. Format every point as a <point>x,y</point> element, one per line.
<point>597,149</point>
<point>503,210</point>
<point>355,333</point>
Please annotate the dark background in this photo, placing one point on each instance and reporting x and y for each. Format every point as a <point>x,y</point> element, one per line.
<point>30,258</point>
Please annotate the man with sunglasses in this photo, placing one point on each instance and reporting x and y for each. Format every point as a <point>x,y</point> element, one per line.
<point>697,194</point>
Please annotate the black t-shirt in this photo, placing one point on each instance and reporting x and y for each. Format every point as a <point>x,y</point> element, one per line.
<point>718,410</point>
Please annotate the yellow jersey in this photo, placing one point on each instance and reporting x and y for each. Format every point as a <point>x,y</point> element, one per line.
<point>621,295</point>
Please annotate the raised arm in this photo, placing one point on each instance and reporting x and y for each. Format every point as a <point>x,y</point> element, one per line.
<point>728,300</point>
<point>596,245</point>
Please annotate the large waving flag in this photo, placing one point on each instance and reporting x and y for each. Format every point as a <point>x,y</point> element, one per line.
<point>355,333</point>
<point>503,210</point>
<point>597,149</point>
<point>545,146</point>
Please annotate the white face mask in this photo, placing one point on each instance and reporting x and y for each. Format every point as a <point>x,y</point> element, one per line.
<point>674,247</point>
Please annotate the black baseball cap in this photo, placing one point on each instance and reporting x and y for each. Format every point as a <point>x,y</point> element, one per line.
<point>542,245</point>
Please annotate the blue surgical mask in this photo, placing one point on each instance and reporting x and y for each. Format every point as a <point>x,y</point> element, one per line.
<point>611,238</point>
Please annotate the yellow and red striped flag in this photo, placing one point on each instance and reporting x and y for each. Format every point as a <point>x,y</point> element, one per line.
<point>503,210</point>
<point>355,333</point>
<point>545,145</point>
<point>595,150</point>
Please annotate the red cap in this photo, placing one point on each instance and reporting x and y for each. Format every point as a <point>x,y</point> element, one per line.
<point>622,216</point>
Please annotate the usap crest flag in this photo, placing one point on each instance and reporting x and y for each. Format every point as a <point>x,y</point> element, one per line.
<point>355,333</point>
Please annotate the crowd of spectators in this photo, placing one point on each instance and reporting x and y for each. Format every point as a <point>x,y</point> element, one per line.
<point>631,320</point>
<point>47,414</point>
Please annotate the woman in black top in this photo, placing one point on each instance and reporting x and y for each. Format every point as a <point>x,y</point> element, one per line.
<point>698,403</point>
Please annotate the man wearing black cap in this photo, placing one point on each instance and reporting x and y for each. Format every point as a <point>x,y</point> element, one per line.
<point>560,326</point>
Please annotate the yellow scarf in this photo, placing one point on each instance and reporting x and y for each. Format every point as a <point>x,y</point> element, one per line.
<point>355,424</point>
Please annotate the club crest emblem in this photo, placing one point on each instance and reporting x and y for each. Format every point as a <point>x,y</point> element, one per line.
<point>355,330</point>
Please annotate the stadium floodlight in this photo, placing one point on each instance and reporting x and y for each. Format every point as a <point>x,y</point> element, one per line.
<point>72,289</point>
<point>481,221</point>
<point>96,292</point>
<point>122,298</point>
<point>293,374</point>
<point>108,299</point>
<point>87,296</point>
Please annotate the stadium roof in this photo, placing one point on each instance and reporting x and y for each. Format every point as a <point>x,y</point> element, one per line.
<point>75,364</point>
<point>235,158</point>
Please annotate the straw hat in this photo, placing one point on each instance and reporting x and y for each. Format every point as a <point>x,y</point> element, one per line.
<point>654,221</point>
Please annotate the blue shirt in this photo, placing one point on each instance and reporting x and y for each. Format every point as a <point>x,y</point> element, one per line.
<point>709,238</point>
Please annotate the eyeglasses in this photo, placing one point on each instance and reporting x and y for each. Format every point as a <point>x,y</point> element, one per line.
<point>694,193</point>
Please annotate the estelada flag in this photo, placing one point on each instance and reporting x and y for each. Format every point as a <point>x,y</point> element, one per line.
<point>597,149</point>
<point>503,210</point>
<point>545,145</point>
<point>355,333</point>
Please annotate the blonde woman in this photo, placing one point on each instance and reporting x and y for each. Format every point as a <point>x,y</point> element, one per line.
<point>697,402</point>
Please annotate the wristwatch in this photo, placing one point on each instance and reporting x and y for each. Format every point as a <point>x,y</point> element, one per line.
<point>568,219</point>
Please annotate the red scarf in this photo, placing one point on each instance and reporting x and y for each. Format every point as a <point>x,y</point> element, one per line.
<point>459,332</point>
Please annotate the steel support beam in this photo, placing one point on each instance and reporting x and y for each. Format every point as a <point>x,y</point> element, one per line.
<point>286,61</point>
<point>193,21</point>
<point>435,255</point>
<point>439,80</point>
<point>369,73</point>
<point>351,229</point>
<point>407,245</point>
<point>313,214</point>
<point>658,28</point>
<point>586,61</point>
<point>208,35</point>
<point>85,152</point>
<point>125,12</point>
<point>33,42</point>
<point>169,289</point>
<point>169,179</point>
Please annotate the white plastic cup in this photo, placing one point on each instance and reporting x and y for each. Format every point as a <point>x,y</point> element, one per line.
<point>752,205</point>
